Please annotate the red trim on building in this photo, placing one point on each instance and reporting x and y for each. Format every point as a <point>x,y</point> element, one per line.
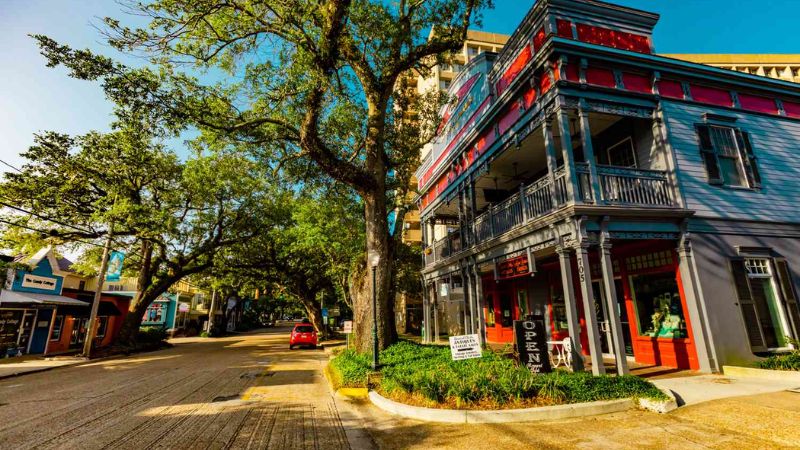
<point>516,67</point>
<point>670,88</point>
<point>600,77</point>
<point>714,96</point>
<point>637,82</point>
<point>758,104</point>
<point>613,38</point>
<point>792,109</point>
<point>538,39</point>
<point>564,28</point>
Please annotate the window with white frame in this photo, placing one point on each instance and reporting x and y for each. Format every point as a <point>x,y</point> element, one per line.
<point>622,154</point>
<point>58,325</point>
<point>767,299</point>
<point>728,156</point>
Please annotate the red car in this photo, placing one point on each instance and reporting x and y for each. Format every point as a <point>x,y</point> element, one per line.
<point>303,334</point>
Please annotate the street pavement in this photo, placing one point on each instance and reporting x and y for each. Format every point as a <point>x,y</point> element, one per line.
<point>247,391</point>
<point>251,391</point>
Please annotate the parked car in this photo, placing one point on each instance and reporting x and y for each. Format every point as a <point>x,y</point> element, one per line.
<point>303,335</point>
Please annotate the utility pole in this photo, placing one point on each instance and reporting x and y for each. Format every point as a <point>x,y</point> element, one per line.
<point>211,310</point>
<point>101,278</point>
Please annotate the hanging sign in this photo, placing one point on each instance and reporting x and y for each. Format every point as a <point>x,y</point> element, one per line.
<point>114,271</point>
<point>183,307</point>
<point>514,267</point>
<point>530,338</point>
<point>467,346</point>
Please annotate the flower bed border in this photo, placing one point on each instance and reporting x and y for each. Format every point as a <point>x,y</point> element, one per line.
<point>519,415</point>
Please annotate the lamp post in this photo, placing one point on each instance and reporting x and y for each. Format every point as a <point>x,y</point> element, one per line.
<point>374,259</point>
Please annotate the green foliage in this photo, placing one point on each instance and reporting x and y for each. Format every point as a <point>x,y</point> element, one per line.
<point>152,337</point>
<point>350,369</point>
<point>409,368</point>
<point>786,361</point>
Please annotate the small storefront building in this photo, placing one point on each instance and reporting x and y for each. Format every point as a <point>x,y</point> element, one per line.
<point>650,302</point>
<point>162,312</point>
<point>39,315</point>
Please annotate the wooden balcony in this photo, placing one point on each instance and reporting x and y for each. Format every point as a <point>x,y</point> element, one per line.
<point>618,187</point>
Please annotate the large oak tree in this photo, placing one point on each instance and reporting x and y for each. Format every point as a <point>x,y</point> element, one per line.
<point>318,81</point>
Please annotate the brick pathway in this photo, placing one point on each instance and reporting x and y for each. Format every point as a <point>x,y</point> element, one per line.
<point>248,391</point>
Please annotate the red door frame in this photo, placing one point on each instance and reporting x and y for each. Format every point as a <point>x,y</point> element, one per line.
<point>498,333</point>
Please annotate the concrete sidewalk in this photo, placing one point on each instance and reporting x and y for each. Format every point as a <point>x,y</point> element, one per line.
<point>12,369</point>
<point>702,388</point>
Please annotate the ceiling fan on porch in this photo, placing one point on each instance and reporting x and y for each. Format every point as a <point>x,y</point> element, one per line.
<point>517,176</point>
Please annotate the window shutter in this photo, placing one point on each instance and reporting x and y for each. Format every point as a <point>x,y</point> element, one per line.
<point>789,295</point>
<point>708,154</point>
<point>748,306</point>
<point>748,159</point>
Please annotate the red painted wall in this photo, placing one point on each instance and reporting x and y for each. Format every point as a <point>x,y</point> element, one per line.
<point>714,96</point>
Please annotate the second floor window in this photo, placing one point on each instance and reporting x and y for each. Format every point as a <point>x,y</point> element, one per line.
<point>728,156</point>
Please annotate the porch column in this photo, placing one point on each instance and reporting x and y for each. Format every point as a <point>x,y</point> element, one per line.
<point>469,298</point>
<point>467,304</point>
<point>473,206</point>
<point>479,300</point>
<point>425,311</point>
<point>552,158</point>
<point>435,312</point>
<point>589,311</point>
<point>573,325</point>
<point>703,341</point>
<point>588,153</point>
<point>568,155</point>
<point>611,301</point>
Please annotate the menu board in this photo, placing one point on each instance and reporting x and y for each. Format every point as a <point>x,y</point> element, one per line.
<point>9,327</point>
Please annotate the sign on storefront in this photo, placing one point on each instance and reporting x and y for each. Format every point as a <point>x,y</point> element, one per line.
<point>466,346</point>
<point>514,267</point>
<point>348,327</point>
<point>9,327</point>
<point>37,282</point>
<point>530,337</point>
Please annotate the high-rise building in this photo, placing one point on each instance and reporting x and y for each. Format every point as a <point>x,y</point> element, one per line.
<point>781,67</point>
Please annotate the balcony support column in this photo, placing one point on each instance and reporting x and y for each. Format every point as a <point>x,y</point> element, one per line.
<point>479,303</point>
<point>426,312</point>
<point>552,158</point>
<point>571,306</point>
<point>473,206</point>
<point>588,153</point>
<point>587,293</point>
<point>612,305</point>
<point>469,316</point>
<point>568,155</point>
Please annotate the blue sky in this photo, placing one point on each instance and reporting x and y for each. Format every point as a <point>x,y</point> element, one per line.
<point>34,98</point>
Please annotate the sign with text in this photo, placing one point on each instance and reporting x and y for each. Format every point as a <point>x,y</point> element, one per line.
<point>9,327</point>
<point>348,327</point>
<point>466,346</point>
<point>511,268</point>
<point>37,282</point>
<point>530,337</point>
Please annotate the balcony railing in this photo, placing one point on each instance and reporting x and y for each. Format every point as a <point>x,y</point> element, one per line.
<point>619,186</point>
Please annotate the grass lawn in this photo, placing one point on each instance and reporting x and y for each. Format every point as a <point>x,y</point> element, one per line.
<point>425,375</point>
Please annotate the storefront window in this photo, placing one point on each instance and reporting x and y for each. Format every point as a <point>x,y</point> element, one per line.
<point>658,305</point>
<point>102,326</point>
<point>506,310</point>
<point>489,311</point>
<point>522,302</point>
<point>58,325</point>
<point>559,312</point>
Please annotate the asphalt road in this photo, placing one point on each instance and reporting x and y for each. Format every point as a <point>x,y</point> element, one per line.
<point>248,391</point>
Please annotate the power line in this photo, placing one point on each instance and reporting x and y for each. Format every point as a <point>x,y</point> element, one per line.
<point>9,165</point>
<point>44,218</point>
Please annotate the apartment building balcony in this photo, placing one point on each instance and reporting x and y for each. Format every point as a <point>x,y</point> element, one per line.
<point>621,168</point>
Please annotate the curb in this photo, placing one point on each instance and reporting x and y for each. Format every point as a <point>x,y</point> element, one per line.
<point>766,374</point>
<point>501,416</point>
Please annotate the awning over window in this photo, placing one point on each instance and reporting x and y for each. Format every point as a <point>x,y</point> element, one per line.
<point>14,298</point>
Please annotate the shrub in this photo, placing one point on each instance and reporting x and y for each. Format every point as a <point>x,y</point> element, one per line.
<point>786,361</point>
<point>150,336</point>
<point>428,372</point>
<point>350,369</point>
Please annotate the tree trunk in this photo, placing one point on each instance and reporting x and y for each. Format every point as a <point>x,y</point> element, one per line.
<point>314,312</point>
<point>133,321</point>
<point>377,232</point>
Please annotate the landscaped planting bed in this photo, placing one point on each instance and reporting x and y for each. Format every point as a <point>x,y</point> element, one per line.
<point>787,361</point>
<point>424,375</point>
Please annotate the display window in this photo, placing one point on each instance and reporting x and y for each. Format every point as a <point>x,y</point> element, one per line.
<point>559,310</point>
<point>490,320</point>
<point>58,325</point>
<point>658,305</point>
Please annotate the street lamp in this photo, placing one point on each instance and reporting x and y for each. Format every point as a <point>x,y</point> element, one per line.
<point>374,259</point>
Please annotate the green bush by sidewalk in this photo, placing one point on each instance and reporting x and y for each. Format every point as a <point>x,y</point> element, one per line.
<point>787,361</point>
<point>414,372</point>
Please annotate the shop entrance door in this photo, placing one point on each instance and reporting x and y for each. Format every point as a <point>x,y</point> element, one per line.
<point>78,332</point>
<point>606,339</point>
<point>25,330</point>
